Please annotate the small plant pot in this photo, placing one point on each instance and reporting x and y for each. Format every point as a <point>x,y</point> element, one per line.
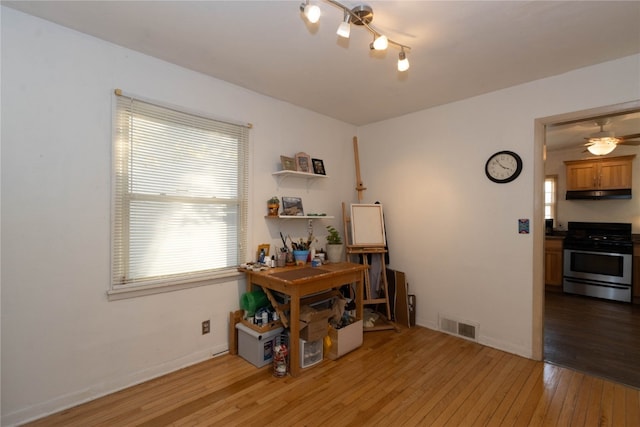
<point>273,209</point>
<point>335,253</point>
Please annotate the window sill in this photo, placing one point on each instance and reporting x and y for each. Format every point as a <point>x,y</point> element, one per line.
<point>132,291</point>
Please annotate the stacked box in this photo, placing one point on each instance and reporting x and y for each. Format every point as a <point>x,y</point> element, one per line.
<point>314,323</point>
<point>256,347</point>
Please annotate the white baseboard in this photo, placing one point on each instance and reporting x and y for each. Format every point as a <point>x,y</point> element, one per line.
<point>107,387</point>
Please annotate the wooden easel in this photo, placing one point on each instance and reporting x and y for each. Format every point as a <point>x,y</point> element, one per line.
<point>359,185</point>
<point>362,253</point>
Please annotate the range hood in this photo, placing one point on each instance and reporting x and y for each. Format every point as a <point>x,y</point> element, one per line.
<point>599,194</point>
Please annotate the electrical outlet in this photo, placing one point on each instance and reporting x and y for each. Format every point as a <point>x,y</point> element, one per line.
<point>206,327</point>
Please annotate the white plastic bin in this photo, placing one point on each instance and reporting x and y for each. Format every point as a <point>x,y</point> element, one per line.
<point>256,347</point>
<point>311,352</point>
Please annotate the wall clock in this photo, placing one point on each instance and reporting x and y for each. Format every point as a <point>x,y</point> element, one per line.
<point>503,167</point>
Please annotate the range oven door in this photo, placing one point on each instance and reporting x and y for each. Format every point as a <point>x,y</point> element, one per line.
<point>597,274</point>
<point>610,268</point>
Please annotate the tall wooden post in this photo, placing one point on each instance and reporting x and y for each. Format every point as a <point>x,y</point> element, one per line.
<point>359,185</point>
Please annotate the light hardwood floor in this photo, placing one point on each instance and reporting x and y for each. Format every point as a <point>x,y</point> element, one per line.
<point>415,377</point>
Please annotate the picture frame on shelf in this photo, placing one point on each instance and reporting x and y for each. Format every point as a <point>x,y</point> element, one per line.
<point>303,163</point>
<point>292,206</point>
<point>318,167</point>
<point>288,163</point>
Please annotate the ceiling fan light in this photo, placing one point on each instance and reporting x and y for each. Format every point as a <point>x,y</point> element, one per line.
<point>403,62</point>
<point>602,146</point>
<point>605,139</point>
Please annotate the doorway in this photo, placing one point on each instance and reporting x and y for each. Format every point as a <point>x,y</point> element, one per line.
<point>540,137</point>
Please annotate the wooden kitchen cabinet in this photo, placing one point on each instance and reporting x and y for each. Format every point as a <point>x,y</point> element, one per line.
<point>609,173</point>
<point>636,273</point>
<point>553,262</point>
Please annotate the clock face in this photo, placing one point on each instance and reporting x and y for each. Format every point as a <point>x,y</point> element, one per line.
<point>503,167</point>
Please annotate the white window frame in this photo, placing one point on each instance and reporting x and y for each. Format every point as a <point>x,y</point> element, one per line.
<point>551,197</point>
<point>216,210</point>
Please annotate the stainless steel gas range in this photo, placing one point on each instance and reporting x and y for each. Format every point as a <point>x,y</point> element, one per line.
<point>598,260</point>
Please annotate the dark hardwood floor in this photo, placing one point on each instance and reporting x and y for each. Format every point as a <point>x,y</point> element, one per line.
<point>594,336</point>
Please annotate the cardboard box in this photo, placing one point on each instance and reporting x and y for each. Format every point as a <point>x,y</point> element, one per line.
<point>256,347</point>
<point>344,340</point>
<point>313,323</point>
<point>262,329</point>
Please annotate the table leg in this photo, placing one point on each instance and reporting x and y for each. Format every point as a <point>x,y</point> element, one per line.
<point>359,298</point>
<point>294,338</point>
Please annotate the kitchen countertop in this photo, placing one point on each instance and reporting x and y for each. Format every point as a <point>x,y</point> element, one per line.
<point>558,235</point>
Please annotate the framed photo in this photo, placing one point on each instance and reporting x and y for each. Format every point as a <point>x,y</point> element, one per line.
<point>318,167</point>
<point>292,206</point>
<point>288,163</point>
<point>263,247</point>
<point>303,163</point>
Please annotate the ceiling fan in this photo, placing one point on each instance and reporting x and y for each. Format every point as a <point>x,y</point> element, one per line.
<point>604,142</point>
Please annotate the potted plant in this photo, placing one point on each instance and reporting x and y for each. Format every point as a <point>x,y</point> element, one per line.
<point>273,205</point>
<point>335,249</point>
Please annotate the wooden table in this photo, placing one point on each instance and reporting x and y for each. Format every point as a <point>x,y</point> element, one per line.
<point>298,282</point>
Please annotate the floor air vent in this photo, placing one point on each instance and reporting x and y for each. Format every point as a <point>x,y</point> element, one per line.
<point>465,330</point>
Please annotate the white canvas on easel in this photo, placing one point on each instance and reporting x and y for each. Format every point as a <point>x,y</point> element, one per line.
<point>367,225</point>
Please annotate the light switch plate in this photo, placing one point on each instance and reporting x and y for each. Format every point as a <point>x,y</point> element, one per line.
<point>523,226</point>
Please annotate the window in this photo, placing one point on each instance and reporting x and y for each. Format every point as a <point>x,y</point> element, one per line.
<point>179,199</point>
<point>550,197</point>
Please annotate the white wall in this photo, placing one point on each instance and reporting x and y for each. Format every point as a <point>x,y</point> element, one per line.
<point>63,342</point>
<point>624,210</point>
<point>451,230</point>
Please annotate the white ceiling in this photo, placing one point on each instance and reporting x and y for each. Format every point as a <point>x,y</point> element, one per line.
<point>459,49</point>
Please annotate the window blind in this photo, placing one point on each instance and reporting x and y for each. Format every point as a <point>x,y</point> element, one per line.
<point>180,195</point>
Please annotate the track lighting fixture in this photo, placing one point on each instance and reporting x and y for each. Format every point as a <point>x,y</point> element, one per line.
<point>380,43</point>
<point>403,62</point>
<point>361,15</point>
<point>345,26</point>
<point>311,11</point>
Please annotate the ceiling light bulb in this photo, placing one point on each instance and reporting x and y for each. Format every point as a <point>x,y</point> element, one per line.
<point>380,43</point>
<point>403,62</point>
<point>312,12</point>
<point>602,146</point>
<point>345,28</point>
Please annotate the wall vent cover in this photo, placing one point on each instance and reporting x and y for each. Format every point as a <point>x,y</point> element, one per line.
<point>464,329</point>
